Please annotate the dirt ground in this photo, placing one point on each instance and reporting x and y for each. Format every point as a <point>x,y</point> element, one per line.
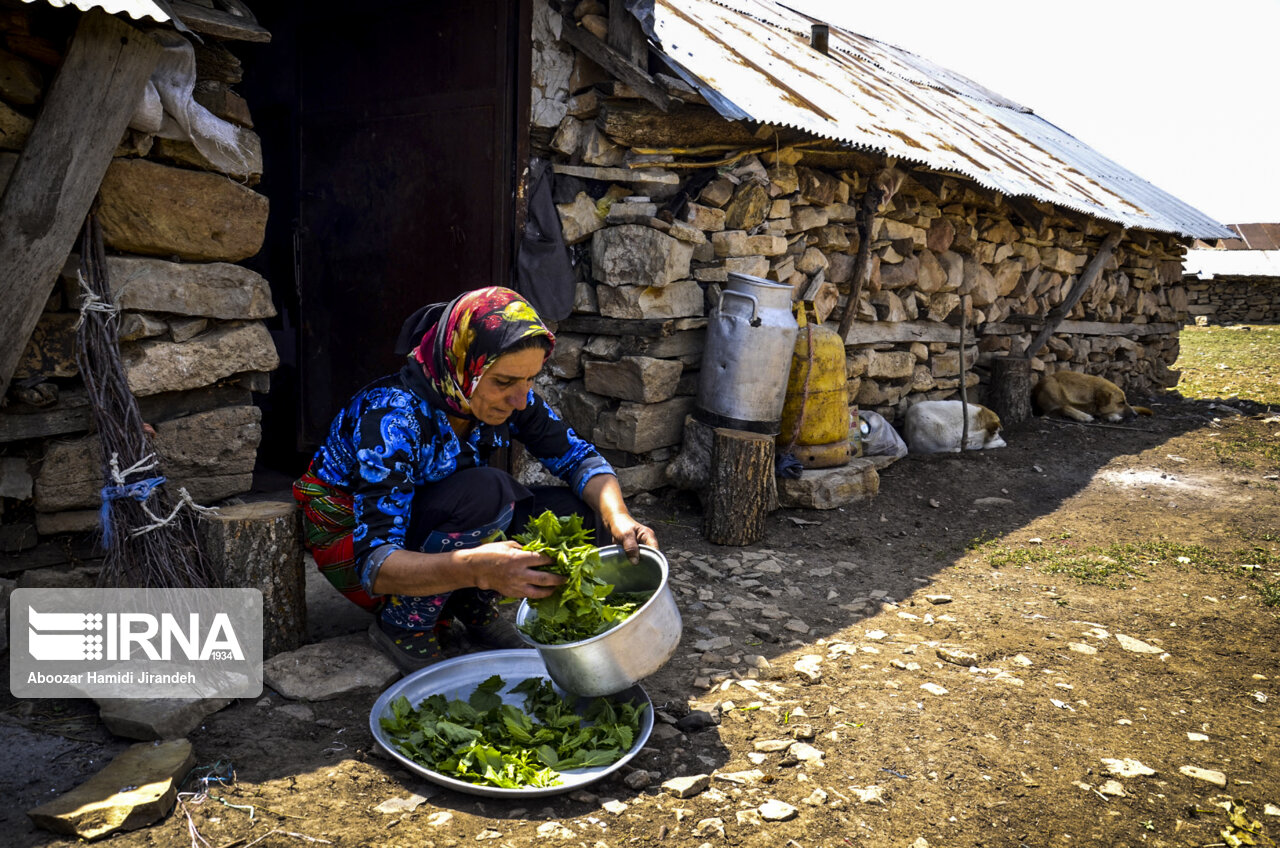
<point>968,688</point>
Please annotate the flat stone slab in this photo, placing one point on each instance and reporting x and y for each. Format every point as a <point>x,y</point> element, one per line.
<point>828,488</point>
<point>137,788</point>
<point>325,670</point>
<point>156,718</point>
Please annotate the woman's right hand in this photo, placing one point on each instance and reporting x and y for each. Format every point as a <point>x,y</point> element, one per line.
<point>513,572</point>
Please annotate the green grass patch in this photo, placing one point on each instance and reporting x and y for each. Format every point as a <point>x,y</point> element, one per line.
<point>1224,363</point>
<point>1116,566</point>
<point>1247,447</point>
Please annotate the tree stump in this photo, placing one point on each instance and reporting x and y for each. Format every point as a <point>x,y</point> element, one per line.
<point>740,490</point>
<point>259,546</point>
<point>1011,389</point>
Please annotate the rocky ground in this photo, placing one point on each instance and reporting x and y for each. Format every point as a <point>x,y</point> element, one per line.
<point>1069,641</point>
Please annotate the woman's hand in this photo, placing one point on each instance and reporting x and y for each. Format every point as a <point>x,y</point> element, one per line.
<point>510,570</point>
<point>603,494</point>
<point>630,534</point>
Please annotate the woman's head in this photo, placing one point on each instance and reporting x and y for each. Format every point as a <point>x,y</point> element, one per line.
<point>487,330</point>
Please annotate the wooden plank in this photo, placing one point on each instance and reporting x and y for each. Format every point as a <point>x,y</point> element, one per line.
<point>85,113</point>
<point>1014,326</point>
<point>625,35</point>
<point>1062,310</point>
<point>71,413</point>
<point>901,331</point>
<point>653,329</point>
<point>615,63</point>
<point>618,175</point>
<point>239,24</point>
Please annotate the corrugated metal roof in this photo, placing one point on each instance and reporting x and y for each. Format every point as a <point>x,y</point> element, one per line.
<point>1207,264</point>
<point>752,60</point>
<point>136,9</point>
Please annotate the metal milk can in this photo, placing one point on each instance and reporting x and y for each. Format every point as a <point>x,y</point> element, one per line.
<point>751,334</point>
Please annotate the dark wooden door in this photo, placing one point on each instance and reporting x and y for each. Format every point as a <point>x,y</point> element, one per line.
<point>409,135</point>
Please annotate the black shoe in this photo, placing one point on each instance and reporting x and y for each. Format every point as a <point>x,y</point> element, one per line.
<point>410,650</point>
<point>497,633</point>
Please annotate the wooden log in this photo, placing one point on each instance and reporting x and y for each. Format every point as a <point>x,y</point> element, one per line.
<point>738,494</point>
<point>634,124</point>
<point>258,545</point>
<point>1010,394</point>
<point>83,117</point>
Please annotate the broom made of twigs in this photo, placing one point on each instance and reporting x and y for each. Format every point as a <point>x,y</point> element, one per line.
<point>150,541</point>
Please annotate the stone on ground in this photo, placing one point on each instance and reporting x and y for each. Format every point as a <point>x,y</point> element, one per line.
<point>135,789</point>
<point>330,668</point>
<point>156,718</point>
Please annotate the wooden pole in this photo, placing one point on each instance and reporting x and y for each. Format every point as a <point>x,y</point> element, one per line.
<point>964,390</point>
<point>738,495</point>
<point>1062,310</point>
<point>85,113</point>
<point>868,208</point>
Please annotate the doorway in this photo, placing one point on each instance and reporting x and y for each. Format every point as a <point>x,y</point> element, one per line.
<point>392,131</point>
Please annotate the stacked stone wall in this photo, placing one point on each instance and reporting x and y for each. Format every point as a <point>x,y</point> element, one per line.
<point>192,337</point>
<point>1234,300</point>
<point>656,230</point>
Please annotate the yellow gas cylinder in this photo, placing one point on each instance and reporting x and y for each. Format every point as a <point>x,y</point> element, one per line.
<point>815,414</point>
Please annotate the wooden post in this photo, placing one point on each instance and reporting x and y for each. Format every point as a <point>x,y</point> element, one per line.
<point>84,116</point>
<point>868,208</point>
<point>738,495</point>
<point>1062,310</point>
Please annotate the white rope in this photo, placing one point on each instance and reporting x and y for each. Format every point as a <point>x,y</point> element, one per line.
<point>184,499</point>
<point>147,463</point>
<point>91,302</point>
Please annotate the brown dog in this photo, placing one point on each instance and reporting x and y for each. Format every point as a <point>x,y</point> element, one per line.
<point>1083,397</point>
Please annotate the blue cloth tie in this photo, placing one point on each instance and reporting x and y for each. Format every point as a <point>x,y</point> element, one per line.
<point>139,490</point>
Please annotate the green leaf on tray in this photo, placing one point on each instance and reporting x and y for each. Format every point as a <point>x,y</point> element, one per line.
<point>501,745</point>
<point>584,606</point>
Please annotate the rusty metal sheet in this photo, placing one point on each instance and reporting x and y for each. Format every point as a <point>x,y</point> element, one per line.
<point>753,60</point>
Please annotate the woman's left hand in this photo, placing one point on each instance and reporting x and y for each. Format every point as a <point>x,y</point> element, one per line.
<point>603,494</point>
<point>631,534</point>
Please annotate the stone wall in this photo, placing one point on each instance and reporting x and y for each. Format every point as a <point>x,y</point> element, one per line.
<point>655,231</point>
<point>193,342</point>
<point>1234,300</point>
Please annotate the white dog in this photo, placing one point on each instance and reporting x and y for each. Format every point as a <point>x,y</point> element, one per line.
<point>934,426</point>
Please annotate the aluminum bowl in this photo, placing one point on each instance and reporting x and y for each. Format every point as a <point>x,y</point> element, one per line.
<point>458,678</point>
<point>629,652</point>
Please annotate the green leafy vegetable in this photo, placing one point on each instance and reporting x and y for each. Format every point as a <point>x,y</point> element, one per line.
<point>577,610</point>
<point>485,741</point>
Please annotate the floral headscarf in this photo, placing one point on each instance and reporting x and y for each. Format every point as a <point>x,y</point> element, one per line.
<point>463,338</point>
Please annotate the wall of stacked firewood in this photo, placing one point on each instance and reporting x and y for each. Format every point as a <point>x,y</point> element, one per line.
<point>659,207</point>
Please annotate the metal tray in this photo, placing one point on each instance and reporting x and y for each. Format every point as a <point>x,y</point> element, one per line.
<point>459,677</point>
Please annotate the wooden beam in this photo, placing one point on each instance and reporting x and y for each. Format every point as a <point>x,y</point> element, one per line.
<point>615,63</point>
<point>635,124</point>
<point>901,332</point>
<point>85,113</point>
<point>626,36</point>
<point>237,24</point>
<point>1062,310</point>
<point>1013,327</point>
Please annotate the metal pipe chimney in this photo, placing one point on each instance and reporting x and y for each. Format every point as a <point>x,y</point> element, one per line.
<point>818,38</point>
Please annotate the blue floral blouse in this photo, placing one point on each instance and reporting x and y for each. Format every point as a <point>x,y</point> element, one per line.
<point>389,440</point>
